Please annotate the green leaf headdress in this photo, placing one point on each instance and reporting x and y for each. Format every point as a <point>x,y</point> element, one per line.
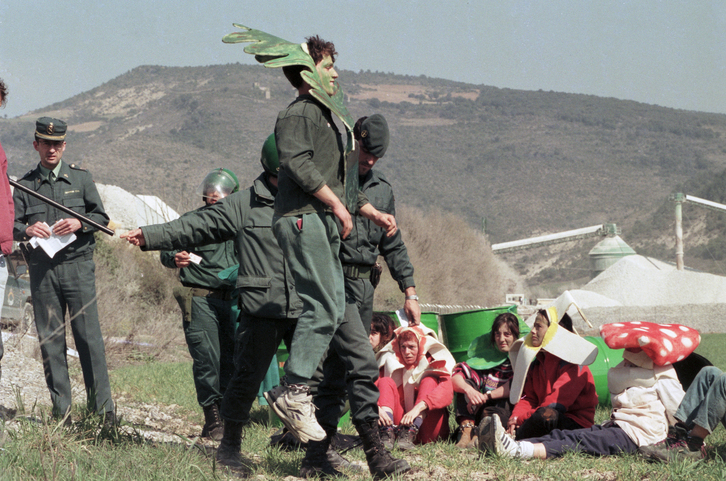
<point>273,51</point>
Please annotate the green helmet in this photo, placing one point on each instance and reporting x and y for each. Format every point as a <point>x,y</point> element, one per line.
<point>221,181</point>
<point>270,160</point>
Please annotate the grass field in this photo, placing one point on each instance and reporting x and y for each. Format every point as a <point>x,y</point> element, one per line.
<point>47,451</point>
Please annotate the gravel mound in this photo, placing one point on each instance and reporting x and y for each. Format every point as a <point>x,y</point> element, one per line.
<point>128,211</point>
<point>641,281</point>
<point>639,288</point>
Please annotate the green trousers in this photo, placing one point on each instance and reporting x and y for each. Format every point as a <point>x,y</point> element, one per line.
<point>256,343</point>
<point>210,339</point>
<point>311,244</point>
<point>71,287</point>
<point>350,365</point>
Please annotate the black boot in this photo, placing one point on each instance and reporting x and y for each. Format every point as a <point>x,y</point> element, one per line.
<point>213,426</point>
<point>228,452</point>
<point>337,460</point>
<point>406,436</point>
<point>388,436</point>
<point>380,461</point>
<point>315,463</point>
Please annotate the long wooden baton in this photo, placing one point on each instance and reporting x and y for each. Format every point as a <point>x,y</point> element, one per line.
<point>65,209</point>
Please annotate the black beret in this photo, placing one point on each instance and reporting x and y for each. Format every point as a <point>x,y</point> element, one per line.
<point>374,135</point>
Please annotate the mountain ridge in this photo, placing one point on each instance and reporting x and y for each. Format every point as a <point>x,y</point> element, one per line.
<point>522,163</point>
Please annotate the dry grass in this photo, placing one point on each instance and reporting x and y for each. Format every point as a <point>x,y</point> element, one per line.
<point>137,312</point>
<point>453,263</point>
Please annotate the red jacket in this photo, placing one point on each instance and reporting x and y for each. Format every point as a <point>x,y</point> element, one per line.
<point>7,211</point>
<point>552,382</point>
<point>439,398</point>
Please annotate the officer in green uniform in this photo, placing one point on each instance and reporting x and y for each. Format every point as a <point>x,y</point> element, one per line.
<point>208,306</point>
<point>359,252</point>
<point>358,255</point>
<point>65,282</point>
<point>268,301</point>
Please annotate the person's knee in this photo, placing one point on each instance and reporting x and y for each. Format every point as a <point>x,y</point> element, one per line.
<point>428,383</point>
<point>719,383</point>
<point>710,373</point>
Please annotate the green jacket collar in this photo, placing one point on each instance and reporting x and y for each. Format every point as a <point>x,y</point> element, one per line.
<point>263,190</point>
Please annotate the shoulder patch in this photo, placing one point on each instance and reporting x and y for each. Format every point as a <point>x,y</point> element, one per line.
<point>75,167</point>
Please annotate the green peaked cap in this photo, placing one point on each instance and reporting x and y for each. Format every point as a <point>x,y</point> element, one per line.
<point>273,51</point>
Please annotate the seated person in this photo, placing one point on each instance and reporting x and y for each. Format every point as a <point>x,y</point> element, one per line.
<point>556,393</point>
<point>415,387</point>
<point>700,411</point>
<point>644,390</point>
<point>483,380</point>
<point>382,327</point>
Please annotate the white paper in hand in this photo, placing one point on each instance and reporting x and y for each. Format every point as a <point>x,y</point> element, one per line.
<point>53,244</point>
<point>402,317</point>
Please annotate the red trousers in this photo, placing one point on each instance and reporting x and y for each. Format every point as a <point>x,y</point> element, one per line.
<point>436,421</point>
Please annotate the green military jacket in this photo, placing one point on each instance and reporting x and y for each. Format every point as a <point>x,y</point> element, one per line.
<point>311,156</point>
<point>367,240</point>
<point>215,258</point>
<point>264,279</point>
<point>74,188</point>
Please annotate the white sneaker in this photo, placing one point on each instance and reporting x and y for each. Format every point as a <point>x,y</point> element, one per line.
<point>295,408</point>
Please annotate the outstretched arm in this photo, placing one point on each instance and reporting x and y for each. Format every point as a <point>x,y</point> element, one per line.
<point>135,237</point>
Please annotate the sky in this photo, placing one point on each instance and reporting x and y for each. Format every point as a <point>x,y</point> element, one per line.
<point>668,53</point>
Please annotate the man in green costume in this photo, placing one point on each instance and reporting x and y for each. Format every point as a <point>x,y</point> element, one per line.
<point>358,255</point>
<point>318,188</point>
<point>67,280</point>
<point>268,302</point>
<point>208,306</point>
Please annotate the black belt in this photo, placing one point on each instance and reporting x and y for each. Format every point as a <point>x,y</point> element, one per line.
<point>225,295</point>
<point>357,272</point>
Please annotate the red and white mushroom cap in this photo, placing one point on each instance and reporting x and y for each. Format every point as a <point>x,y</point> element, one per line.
<point>663,343</point>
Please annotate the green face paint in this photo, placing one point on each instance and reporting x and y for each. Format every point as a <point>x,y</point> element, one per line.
<point>273,51</point>
<point>327,74</point>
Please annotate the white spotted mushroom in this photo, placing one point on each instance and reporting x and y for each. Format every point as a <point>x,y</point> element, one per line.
<point>664,344</point>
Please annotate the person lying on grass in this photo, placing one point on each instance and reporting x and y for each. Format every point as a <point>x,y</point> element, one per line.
<point>415,388</point>
<point>701,410</point>
<point>644,390</point>
<point>482,382</point>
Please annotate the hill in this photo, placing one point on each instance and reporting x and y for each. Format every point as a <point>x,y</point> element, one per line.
<point>522,163</point>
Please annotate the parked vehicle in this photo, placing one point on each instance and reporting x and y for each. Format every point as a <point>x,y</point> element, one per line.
<point>17,309</point>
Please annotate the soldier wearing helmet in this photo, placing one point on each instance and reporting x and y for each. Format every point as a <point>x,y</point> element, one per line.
<point>209,306</point>
<point>269,304</point>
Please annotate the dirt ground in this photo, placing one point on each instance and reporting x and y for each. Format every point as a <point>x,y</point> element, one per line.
<point>23,378</point>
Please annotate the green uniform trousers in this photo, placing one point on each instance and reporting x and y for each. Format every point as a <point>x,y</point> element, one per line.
<point>70,286</point>
<point>311,244</point>
<point>210,339</point>
<point>256,343</point>
<point>350,365</point>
